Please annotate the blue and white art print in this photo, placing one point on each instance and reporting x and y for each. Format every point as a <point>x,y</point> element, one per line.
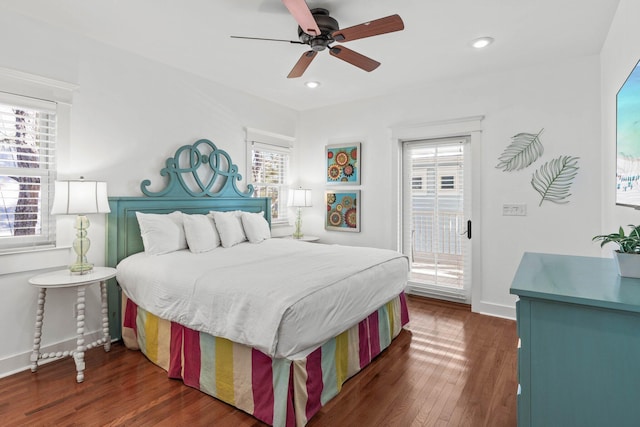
<point>628,141</point>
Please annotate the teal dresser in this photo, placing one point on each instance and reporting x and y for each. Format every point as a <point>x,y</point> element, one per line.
<point>579,350</point>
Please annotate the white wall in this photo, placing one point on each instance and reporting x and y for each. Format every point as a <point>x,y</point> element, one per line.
<point>619,55</point>
<point>563,98</point>
<point>128,116</point>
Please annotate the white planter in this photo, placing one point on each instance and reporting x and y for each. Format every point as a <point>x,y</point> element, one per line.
<point>628,264</point>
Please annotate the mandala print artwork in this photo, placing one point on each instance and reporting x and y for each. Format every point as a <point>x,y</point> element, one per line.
<point>343,164</point>
<point>343,213</point>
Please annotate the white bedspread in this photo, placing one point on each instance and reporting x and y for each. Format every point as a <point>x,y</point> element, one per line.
<point>281,296</point>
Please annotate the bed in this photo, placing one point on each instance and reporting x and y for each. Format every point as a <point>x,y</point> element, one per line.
<point>271,326</point>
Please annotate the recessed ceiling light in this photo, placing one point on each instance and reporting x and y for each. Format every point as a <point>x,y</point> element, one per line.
<point>482,42</point>
<point>312,85</point>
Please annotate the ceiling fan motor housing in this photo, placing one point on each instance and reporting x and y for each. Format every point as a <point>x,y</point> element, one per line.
<point>327,26</point>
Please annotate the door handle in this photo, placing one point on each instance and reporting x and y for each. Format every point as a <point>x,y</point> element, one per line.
<point>468,230</point>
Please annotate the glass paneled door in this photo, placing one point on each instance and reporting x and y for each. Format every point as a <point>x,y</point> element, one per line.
<point>436,219</point>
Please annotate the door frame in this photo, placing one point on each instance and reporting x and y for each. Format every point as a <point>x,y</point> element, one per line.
<point>467,126</point>
<point>434,290</point>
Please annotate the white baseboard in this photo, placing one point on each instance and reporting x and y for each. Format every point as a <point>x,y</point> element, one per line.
<point>21,362</point>
<point>487,308</point>
<point>436,293</point>
<point>496,310</point>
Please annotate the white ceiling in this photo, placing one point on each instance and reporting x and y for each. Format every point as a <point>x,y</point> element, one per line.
<point>194,35</point>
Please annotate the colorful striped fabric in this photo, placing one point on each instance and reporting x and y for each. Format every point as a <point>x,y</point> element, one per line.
<point>279,392</point>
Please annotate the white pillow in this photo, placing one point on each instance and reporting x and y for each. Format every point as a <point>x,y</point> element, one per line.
<point>201,233</point>
<point>255,227</point>
<point>162,233</point>
<point>229,225</point>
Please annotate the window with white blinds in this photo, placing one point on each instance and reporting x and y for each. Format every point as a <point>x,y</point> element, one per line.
<point>27,171</point>
<point>270,177</point>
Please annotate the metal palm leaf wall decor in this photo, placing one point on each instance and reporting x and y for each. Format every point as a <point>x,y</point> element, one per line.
<point>525,148</point>
<point>553,179</point>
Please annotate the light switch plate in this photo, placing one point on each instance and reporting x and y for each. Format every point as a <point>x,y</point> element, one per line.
<point>514,209</point>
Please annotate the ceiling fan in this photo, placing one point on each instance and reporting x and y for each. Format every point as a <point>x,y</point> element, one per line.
<point>319,30</point>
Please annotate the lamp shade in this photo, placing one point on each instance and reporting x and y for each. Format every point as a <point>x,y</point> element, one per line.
<point>80,197</point>
<point>300,198</point>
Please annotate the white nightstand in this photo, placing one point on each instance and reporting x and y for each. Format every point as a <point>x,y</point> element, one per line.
<point>305,238</point>
<point>64,279</point>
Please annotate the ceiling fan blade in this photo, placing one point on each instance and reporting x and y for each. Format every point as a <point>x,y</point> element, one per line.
<point>376,27</point>
<point>271,40</point>
<point>303,16</point>
<point>354,58</point>
<point>302,64</point>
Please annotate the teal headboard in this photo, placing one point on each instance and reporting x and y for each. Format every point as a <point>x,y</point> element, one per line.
<point>202,178</point>
<point>123,232</point>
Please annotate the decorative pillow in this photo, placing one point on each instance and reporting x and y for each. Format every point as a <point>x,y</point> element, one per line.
<point>162,233</point>
<point>255,227</point>
<point>229,226</point>
<point>201,233</point>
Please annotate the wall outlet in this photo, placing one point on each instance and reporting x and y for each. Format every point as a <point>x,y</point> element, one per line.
<point>514,209</point>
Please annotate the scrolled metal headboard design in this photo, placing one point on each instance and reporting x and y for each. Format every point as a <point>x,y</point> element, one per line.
<point>203,155</point>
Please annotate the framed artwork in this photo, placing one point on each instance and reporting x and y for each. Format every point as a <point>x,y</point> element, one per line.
<point>343,163</point>
<point>343,210</point>
<point>628,141</point>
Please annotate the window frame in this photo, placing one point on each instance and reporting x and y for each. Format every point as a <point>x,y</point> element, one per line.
<point>33,90</point>
<point>282,188</point>
<point>46,157</point>
<point>274,143</point>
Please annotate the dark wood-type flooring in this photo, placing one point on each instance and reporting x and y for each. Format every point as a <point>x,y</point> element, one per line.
<point>450,367</point>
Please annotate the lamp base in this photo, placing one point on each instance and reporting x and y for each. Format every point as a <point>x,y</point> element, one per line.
<point>80,268</point>
<point>298,233</point>
<point>81,246</point>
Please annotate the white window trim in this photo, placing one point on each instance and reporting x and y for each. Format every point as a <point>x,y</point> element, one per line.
<point>273,142</point>
<point>22,84</point>
<point>270,138</point>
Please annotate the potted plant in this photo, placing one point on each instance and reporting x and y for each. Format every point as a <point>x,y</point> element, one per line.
<point>628,254</point>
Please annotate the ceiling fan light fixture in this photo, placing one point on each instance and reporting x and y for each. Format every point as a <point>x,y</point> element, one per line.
<point>312,84</point>
<point>481,42</point>
<point>319,30</point>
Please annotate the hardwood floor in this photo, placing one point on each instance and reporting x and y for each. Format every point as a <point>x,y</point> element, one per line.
<point>450,367</point>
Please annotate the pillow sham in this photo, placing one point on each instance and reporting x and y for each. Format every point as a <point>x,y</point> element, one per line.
<point>201,233</point>
<point>162,233</point>
<point>255,227</point>
<point>229,226</point>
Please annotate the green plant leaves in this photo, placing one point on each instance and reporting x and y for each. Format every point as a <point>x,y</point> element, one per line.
<point>627,244</point>
<point>525,148</point>
<point>553,179</point>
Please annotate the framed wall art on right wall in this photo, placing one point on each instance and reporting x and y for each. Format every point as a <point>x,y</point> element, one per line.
<point>628,141</point>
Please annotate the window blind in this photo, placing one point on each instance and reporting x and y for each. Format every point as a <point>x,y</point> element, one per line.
<point>27,171</point>
<point>270,175</point>
<point>435,212</point>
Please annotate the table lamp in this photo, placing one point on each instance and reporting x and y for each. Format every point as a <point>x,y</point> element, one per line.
<point>80,197</point>
<point>300,198</point>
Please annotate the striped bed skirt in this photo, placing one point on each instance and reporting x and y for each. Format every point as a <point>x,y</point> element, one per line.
<point>279,392</point>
